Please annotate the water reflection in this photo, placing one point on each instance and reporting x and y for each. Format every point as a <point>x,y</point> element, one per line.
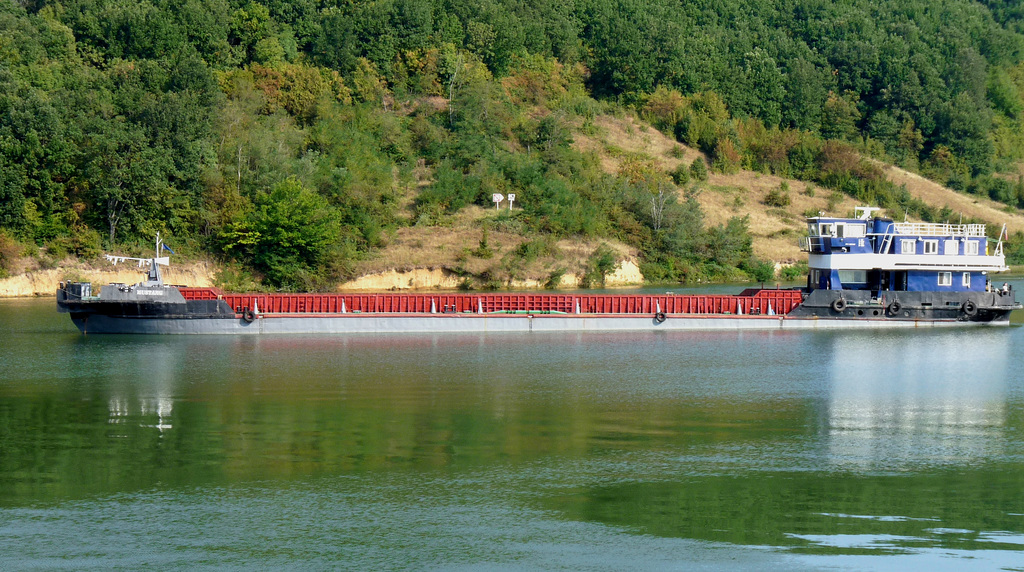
<point>819,442</point>
<point>923,398</point>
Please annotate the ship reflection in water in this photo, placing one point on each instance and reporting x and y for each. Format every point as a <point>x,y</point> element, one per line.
<point>932,398</point>
<point>145,398</point>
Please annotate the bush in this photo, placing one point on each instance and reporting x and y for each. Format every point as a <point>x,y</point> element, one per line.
<point>778,197</point>
<point>760,270</point>
<point>699,170</point>
<point>794,272</point>
<point>555,278</point>
<point>600,263</point>
<point>681,174</point>
<point>10,251</point>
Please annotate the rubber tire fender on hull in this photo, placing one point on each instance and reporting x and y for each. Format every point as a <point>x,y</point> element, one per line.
<point>248,315</point>
<point>660,317</point>
<point>839,305</point>
<point>970,308</point>
<point>895,307</point>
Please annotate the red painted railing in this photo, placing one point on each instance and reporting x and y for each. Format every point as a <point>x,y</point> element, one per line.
<point>752,301</point>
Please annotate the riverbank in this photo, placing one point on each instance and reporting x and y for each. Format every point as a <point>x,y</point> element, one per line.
<point>43,282</point>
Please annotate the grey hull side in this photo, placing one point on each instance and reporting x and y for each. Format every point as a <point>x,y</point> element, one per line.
<point>408,323</point>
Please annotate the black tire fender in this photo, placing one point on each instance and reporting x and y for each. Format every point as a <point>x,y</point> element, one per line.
<point>895,307</point>
<point>248,315</point>
<point>970,308</point>
<point>660,317</point>
<point>839,304</point>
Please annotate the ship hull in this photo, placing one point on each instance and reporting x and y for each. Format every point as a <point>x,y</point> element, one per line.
<point>349,324</point>
<point>172,310</point>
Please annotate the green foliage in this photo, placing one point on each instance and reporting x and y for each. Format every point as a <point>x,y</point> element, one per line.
<point>290,236</point>
<point>681,174</point>
<point>779,196</point>
<point>555,278</point>
<point>126,119</point>
<point>794,272</point>
<point>759,270</point>
<point>699,170</point>
<point>483,250</point>
<point>601,263</point>
<point>10,252</point>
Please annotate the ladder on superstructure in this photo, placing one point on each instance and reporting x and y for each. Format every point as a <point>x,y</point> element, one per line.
<point>883,248</point>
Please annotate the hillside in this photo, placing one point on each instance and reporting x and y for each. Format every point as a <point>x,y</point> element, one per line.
<point>298,146</point>
<point>440,258</point>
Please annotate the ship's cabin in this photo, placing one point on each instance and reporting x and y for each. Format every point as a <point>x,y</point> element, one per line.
<point>874,253</point>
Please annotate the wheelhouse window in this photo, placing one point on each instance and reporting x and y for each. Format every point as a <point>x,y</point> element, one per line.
<point>966,280</point>
<point>971,247</point>
<point>931,247</point>
<point>945,278</point>
<point>951,247</point>
<point>855,230</point>
<point>826,229</point>
<point>853,277</point>
<point>908,246</point>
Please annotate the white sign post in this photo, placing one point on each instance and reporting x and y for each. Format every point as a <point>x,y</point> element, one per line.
<point>497,198</point>
<point>511,199</point>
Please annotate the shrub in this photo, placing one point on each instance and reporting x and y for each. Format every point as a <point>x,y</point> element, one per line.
<point>699,170</point>
<point>759,270</point>
<point>10,251</point>
<point>681,174</point>
<point>794,272</point>
<point>555,278</point>
<point>600,263</point>
<point>483,251</point>
<point>778,197</point>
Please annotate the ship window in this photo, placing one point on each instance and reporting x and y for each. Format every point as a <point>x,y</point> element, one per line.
<point>826,229</point>
<point>853,277</point>
<point>971,247</point>
<point>931,247</point>
<point>812,230</point>
<point>908,246</point>
<point>966,281</point>
<point>945,278</point>
<point>951,247</point>
<point>855,230</point>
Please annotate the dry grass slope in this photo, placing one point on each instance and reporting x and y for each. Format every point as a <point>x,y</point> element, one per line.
<point>775,229</point>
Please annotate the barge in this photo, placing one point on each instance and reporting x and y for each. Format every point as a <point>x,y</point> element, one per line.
<point>865,271</point>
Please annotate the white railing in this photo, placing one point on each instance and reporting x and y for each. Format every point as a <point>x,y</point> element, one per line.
<point>938,229</point>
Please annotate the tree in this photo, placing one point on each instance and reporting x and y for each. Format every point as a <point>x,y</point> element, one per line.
<point>288,235</point>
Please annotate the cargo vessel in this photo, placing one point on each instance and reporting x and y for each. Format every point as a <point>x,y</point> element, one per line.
<point>865,271</point>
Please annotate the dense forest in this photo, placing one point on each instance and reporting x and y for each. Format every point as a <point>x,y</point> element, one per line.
<point>289,138</point>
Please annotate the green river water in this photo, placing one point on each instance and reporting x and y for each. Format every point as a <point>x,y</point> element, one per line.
<point>880,450</point>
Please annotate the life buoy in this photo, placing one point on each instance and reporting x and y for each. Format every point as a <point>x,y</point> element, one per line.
<point>660,317</point>
<point>248,315</point>
<point>895,307</point>
<point>839,304</point>
<point>970,308</point>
